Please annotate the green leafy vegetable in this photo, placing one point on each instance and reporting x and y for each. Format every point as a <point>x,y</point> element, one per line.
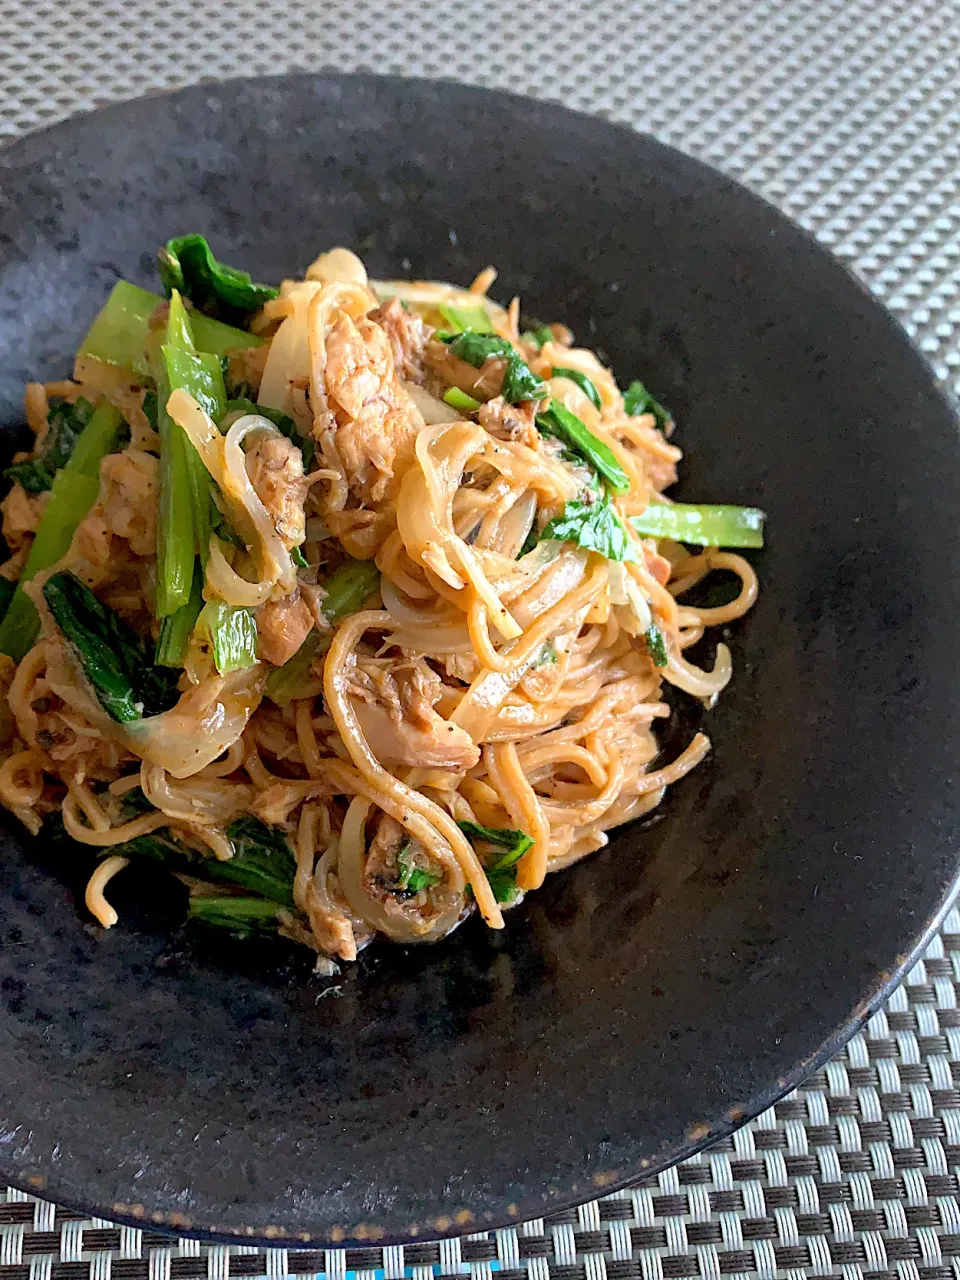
<point>547,656</point>
<point>595,526</point>
<point>586,385</point>
<point>656,645</point>
<point>225,531</point>
<point>298,558</point>
<point>288,682</point>
<point>65,422</point>
<point>240,917</point>
<point>502,873</point>
<point>538,336</point>
<point>460,319</point>
<point>100,437</point>
<point>114,658</point>
<point>558,421</point>
<point>637,399</point>
<point>185,511</point>
<point>519,381</point>
<point>515,843</point>
<point>347,588</point>
<point>119,334</point>
<point>73,492</point>
<point>71,498</point>
<point>176,629</point>
<point>232,633</point>
<point>282,421</point>
<point>703,524</point>
<point>262,862</point>
<point>475,348</point>
<point>151,408</point>
<point>410,877</point>
<point>529,542</point>
<point>187,264</point>
<point>460,401</point>
<point>504,885</point>
<point>7,589</point>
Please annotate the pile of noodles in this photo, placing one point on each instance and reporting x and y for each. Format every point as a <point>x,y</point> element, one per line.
<point>534,664</point>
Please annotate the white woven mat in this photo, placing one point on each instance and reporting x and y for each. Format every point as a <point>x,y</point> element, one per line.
<point>847,115</point>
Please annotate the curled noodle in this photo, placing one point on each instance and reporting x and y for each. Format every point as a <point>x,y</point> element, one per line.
<point>475,669</point>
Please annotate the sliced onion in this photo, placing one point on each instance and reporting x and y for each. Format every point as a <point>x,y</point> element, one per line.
<point>200,428</point>
<point>206,721</point>
<point>289,356</point>
<point>225,460</point>
<point>427,293</point>
<point>338,266</point>
<point>275,563</point>
<point>433,410</point>
<point>223,581</point>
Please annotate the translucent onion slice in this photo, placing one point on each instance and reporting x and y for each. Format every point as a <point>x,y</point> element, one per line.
<point>224,459</point>
<point>223,581</point>
<point>205,722</point>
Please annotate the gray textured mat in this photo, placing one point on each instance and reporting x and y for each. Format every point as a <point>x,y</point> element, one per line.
<point>846,115</point>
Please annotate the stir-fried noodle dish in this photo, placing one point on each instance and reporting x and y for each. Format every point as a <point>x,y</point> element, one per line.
<point>349,603</point>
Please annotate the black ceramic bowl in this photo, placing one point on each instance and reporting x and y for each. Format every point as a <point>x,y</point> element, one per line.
<point>674,984</point>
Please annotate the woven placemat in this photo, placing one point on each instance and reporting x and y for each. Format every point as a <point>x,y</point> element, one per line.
<point>846,115</point>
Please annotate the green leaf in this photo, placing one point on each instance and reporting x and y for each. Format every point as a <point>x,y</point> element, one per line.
<point>656,645</point>
<point>475,348</point>
<point>521,383</point>
<point>114,659</point>
<point>504,886</point>
<point>410,877</point>
<point>71,498</point>
<point>703,524</point>
<point>65,422</point>
<point>101,436</point>
<point>7,588</point>
<point>232,634</point>
<point>119,334</point>
<point>515,843</point>
<point>176,628</point>
<point>460,401</point>
<point>637,399</point>
<point>151,408</point>
<point>586,385</point>
<point>185,512</point>
<point>242,918</point>
<point>547,656</point>
<point>529,542</point>
<point>502,872</point>
<point>558,421</point>
<point>72,494</point>
<point>538,336</point>
<point>460,319</point>
<point>347,589</point>
<point>263,861</point>
<point>595,526</point>
<point>187,263</point>
<point>286,683</point>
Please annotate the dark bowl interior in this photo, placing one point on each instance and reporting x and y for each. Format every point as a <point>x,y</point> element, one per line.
<point>681,979</point>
